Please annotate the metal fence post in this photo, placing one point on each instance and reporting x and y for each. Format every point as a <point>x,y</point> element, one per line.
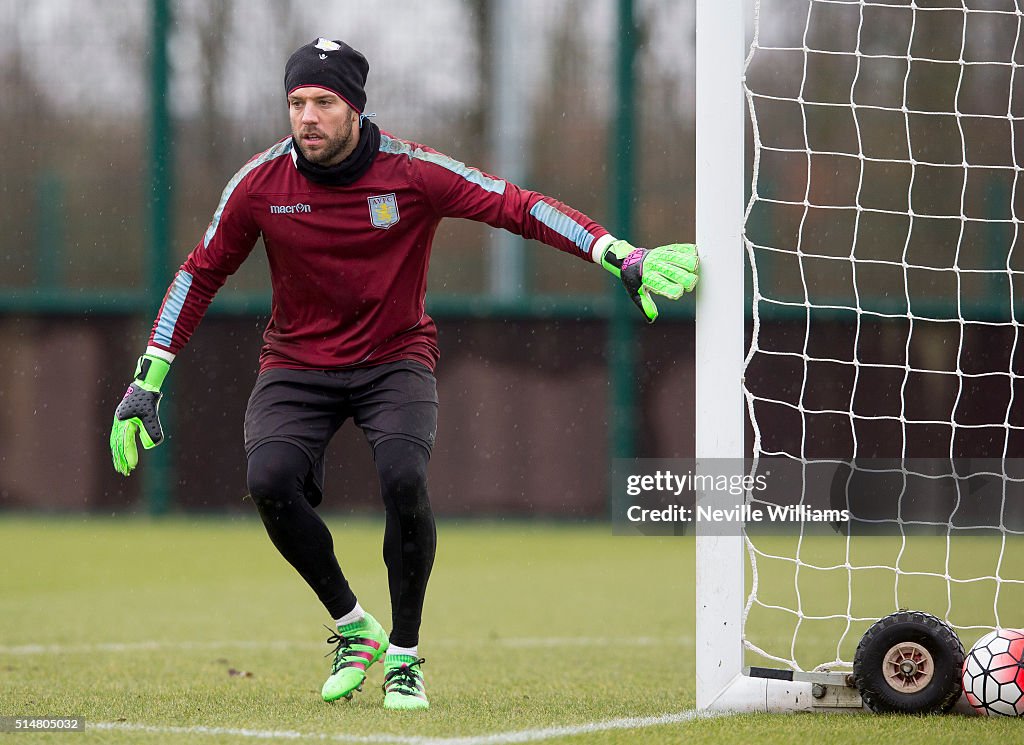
<point>158,469</point>
<point>622,342</point>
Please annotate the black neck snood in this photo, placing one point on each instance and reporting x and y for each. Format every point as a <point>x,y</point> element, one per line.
<point>349,170</point>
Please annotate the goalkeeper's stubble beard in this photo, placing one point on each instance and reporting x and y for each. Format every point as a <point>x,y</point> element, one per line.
<point>333,148</point>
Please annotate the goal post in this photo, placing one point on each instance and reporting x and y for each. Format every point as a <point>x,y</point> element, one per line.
<point>720,325</point>
<point>881,222</point>
<point>720,51</point>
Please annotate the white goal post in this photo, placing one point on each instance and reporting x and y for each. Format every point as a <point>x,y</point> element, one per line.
<point>880,331</point>
<point>720,52</point>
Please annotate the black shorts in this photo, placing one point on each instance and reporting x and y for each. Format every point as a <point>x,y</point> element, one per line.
<point>396,400</point>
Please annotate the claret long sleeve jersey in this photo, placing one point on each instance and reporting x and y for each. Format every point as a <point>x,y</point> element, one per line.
<point>348,264</point>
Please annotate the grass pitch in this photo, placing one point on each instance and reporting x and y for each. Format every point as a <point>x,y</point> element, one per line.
<point>196,631</point>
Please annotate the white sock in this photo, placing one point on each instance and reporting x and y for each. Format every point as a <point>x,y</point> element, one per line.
<point>356,614</point>
<point>411,651</point>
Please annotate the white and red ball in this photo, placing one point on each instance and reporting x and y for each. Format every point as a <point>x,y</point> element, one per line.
<point>994,673</point>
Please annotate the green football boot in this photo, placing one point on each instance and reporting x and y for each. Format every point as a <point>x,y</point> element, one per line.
<point>359,645</point>
<point>403,683</point>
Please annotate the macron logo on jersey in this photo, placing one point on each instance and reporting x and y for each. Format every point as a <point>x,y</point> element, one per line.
<point>289,209</point>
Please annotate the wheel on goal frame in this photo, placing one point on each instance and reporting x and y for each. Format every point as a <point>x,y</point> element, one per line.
<point>909,662</point>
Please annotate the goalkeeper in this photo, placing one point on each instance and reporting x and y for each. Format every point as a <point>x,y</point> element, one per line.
<point>347,213</point>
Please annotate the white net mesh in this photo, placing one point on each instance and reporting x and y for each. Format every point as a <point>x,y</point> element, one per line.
<point>883,233</point>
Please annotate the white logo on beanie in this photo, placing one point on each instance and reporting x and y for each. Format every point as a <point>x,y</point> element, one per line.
<point>327,45</point>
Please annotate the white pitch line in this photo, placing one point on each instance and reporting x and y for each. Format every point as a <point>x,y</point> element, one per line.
<point>144,646</point>
<point>587,641</point>
<point>549,733</point>
<point>495,738</point>
<point>155,645</point>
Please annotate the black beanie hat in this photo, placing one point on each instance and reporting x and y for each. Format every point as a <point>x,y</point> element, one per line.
<point>333,65</point>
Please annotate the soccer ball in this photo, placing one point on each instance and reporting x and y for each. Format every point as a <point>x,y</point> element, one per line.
<point>994,673</point>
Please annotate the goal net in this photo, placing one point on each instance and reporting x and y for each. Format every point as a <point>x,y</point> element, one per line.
<point>883,234</point>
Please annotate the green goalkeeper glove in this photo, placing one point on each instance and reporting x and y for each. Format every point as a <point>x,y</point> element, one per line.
<point>138,414</point>
<point>666,270</point>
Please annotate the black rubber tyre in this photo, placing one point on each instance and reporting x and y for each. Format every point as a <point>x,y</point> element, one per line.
<point>909,662</point>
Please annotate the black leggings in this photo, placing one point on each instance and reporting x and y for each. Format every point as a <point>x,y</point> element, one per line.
<point>277,474</point>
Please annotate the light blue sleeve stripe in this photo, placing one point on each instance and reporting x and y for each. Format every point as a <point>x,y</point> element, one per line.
<point>473,176</point>
<point>564,225</point>
<point>172,309</point>
<point>282,148</point>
